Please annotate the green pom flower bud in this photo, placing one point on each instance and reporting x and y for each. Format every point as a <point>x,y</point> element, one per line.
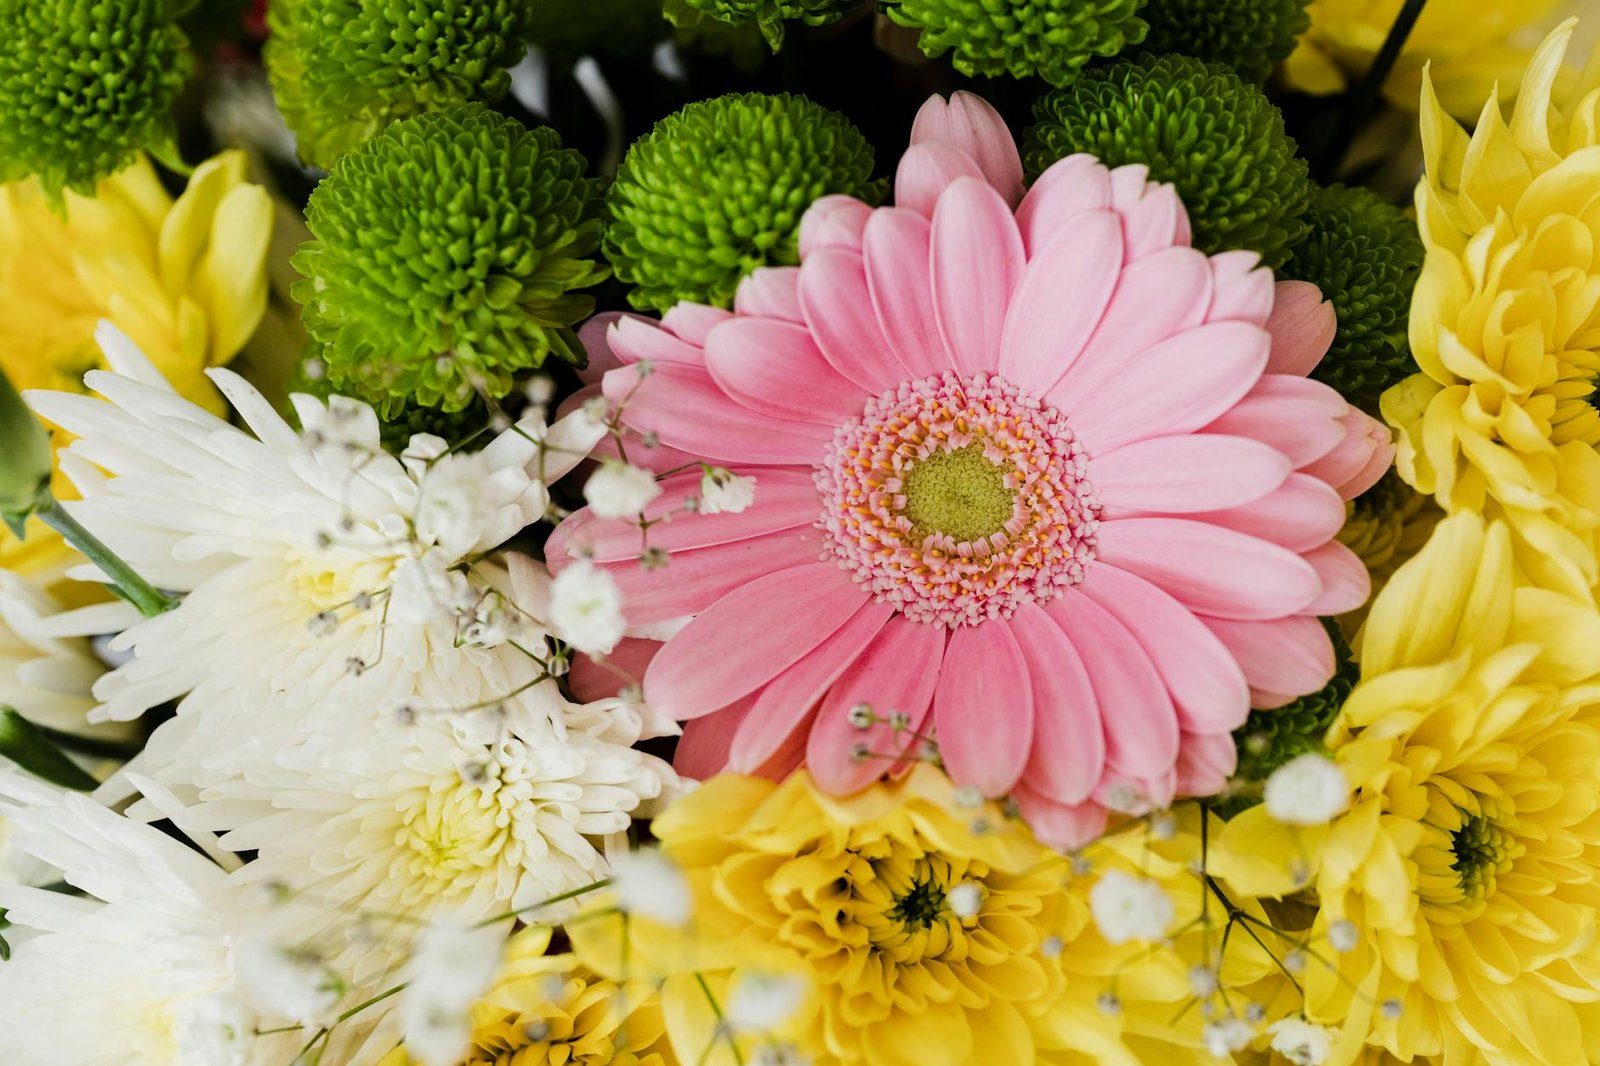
<point>1365,256</point>
<point>24,459</point>
<point>446,252</point>
<point>1220,142</point>
<point>717,190</point>
<point>1270,738</point>
<point>342,70</point>
<point>84,85</point>
<point>1251,36</point>
<point>767,14</point>
<point>1050,38</point>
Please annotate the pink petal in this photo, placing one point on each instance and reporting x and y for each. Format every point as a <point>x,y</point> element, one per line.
<point>775,369</point>
<point>1302,326</point>
<point>1205,762</point>
<point>1067,189</point>
<point>839,312</point>
<point>896,672</point>
<point>1153,213</point>
<point>1128,185</point>
<point>1301,514</point>
<point>1291,656</point>
<point>693,580</point>
<point>1175,387</point>
<point>983,707</point>
<point>1196,472</point>
<point>1156,298</point>
<point>1244,289</point>
<point>684,407</point>
<point>926,171</point>
<point>1356,463</point>
<point>634,339</point>
<point>592,679</point>
<point>788,701</point>
<point>970,125</point>
<point>1211,569</point>
<point>1207,687</point>
<point>703,750</point>
<point>691,321</point>
<point>1294,415</point>
<point>977,259</point>
<point>1057,825</point>
<point>785,499</point>
<point>1043,331</point>
<point>1069,746</point>
<point>1132,794</point>
<point>750,636</point>
<point>1345,581</point>
<point>1136,711</point>
<point>833,221</point>
<point>900,281</point>
<point>593,338</point>
<point>770,292</point>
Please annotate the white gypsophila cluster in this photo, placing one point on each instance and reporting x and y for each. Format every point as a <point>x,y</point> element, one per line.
<point>452,965</point>
<point>586,608</point>
<point>724,492</point>
<point>141,970</point>
<point>1302,1042</point>
<point>314,568</point>
<point>649,885</point>
<point>620,490</point>
<point>1309,789</point>
<point>1222,1038</point>
<point>1130,908</point>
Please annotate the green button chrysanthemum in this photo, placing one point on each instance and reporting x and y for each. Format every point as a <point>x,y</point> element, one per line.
<point>1365,256</point>
<point>767,14</point>
<point>1219,141</point>
<point>1050,38</point>
<point>446,252</point>
<point>717,190</point>
<point>1270,738</point>
<point>342,70</point>
<point>84,85</point>
<point>1250,36</point>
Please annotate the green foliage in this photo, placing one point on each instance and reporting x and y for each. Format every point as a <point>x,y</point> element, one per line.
<point>568,30</point>
<point>1251,36</point>
<point>1365,255</point>
<point>1050,38</point>
<point>84,85</point>
<point>342,70</point>
<point>446,254</point>
<point>769,15</point>
<point>718,188</point>
<point>1219,141</point>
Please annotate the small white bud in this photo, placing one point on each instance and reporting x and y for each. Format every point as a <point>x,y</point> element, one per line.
<point>1130,908</point>
<point>1307,790</point>
<point>760,1002</point>
<point>620,490</point>
<point>586,608</point>
<point>650,885</point>
<point>1225,1037</point>
<point>1343,935</point>
<point>964,899</point>
<point>1302,1042</point>
<point>724,492</point>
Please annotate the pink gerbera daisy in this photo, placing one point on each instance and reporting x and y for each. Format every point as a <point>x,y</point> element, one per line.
<point>1033,477</point>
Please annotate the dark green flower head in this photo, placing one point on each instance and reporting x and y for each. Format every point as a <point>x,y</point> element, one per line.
<point>446,254</point>
<point>1219,141</point>
<point>1268,739</point>
<point>717,190</point>
<point>342,70</point>
<point>398,427</point>
<point>1365,256</point>
<point>1251,36</point>
<point>1050,38</point>
<point>568,30</point>
<point>84,85</point>
<point>769,15</point>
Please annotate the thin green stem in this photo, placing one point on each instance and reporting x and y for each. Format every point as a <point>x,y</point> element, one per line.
<point>150,600</point>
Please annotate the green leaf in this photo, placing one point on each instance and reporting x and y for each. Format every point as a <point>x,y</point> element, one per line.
<point>24,744</point>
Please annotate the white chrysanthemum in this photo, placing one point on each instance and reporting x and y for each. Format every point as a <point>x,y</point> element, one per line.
<point>46,678</point>
<point>315,568</point>
<point>433,817</point>
<point>142,971</point>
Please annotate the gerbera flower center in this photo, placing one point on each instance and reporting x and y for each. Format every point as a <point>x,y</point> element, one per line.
<point>959,500</point>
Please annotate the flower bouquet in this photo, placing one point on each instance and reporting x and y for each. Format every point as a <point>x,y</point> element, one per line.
<point>754,532</point>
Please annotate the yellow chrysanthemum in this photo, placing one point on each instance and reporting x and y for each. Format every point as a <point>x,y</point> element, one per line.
<point>1464,40</point>
<point>1385,526</point>
<point>184,278</point>
<point>551,1010</point>
<point>1505,321</point>
<point>1464,876</point>
<point>916,921</point>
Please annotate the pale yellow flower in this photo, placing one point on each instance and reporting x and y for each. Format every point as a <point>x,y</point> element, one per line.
<point>1465,40</point>
<point>184,278</point>
<point>1505,320</point>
